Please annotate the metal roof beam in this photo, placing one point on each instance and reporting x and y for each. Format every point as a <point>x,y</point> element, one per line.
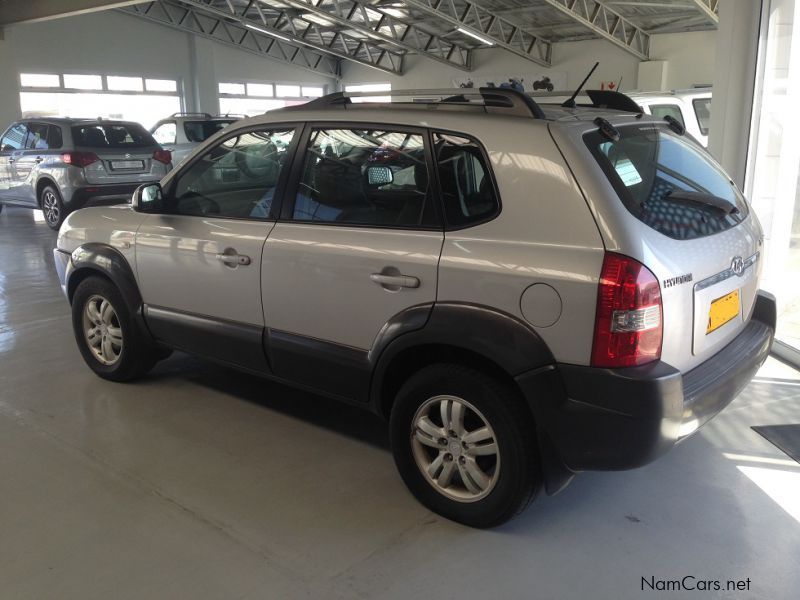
<point>280,20</point>
<point>489,25</point>
<point>187,19</point>
<point>29,11</point>
<point>606,23</point>
<point>708,8</point>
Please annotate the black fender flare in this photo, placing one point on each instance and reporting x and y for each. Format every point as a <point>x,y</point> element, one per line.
<point>106,260</point>
<point>502,338</point>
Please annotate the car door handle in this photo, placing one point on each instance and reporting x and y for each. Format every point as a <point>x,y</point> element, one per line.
<point>232,259</point>
<point>39,159</point>
<point>394,281</point>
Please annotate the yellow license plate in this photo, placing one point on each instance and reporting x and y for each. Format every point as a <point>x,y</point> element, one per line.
<point>723,310</point>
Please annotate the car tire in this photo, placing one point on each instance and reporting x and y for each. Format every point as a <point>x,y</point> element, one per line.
<point>487,452</point>
<point>107,336</point>
<point>52,206</point>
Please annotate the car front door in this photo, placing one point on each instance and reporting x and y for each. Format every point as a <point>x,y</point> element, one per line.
<point>12,145</point>
<point>37,151</point>
<point>358,243</point>
<point>199,260</point>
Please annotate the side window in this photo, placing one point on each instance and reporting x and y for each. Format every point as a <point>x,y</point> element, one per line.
<point>54,137</point>
<point>702,108</point>
<point>14,138</point>
<point>365,177</point>
<point>236,179</point>
<point>659,111</point>
<point>166,133</point>
<point>37,137</point>
<point>467,191</point>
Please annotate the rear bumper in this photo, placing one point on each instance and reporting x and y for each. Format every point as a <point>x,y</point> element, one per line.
<point>613,419</point>
<point>103,194</point>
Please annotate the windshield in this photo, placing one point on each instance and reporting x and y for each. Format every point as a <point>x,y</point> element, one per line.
<point>649,162</point>
<point>112,135</point>
<point>200,131</point>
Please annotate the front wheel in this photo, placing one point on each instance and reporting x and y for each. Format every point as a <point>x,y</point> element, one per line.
<point>464,443</point>
<point>52,206</point>
<point>106,333</point>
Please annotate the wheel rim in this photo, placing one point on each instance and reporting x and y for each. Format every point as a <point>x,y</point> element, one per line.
<point>455,448</point>
<point>50,207</point>
<point>102,330</point>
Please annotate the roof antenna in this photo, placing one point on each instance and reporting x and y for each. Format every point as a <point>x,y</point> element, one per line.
<point>571,102</point>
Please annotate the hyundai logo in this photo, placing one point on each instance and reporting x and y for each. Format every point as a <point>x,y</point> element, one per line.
<point>737,266</point>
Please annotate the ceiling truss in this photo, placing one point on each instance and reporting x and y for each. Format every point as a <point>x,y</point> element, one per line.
<point>709,9</point>
<point>606,23</point>
<point>489,25</point>
<point>186,18</point>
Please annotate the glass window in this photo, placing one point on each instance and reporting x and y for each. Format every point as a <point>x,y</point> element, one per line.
<point>161,85</point>
<point>83,82</point>
<point>260,89</point>
<point>37,137</point>
<point>312,91</point>
<point>287,91</point>
<point>112,135</point>
<point>200,131</point>
<point>236,179</point>
<point>39,80</point>
<point>702,108</point>
<point>467,190</point>
<point>668,182</point>
<point>370,87</point>
<point>659,111</point>
<point>248,106</point>
<point>232,88</point>
<point>124,84</point>
<point>14,138</point>
<point>54,137</point>
<point>166,133</point>
<point>364,177</point>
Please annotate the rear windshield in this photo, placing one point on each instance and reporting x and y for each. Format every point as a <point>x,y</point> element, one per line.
<point>650,162</point>
<point>112,135</point>
<point>200,131</point>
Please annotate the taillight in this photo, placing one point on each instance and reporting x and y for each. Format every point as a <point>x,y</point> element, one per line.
<point>164,156</point>
<point>628,324</point>
<point>79,159</point>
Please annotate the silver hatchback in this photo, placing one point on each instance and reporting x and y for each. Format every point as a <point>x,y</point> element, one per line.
<point>59,165</point>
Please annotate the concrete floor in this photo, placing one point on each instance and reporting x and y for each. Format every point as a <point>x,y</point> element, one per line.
<point>201,482</point>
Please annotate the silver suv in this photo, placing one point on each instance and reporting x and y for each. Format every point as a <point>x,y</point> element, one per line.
<point>59,165</point>
<point>183,132</point>
<point>524,291</point>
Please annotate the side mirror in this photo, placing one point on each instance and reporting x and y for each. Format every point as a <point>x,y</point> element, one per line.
<point>379,175</point>
<point>148,198</point>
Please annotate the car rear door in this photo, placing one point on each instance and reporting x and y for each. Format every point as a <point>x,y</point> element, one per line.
<point>198,261</point>
<point>12,146</point>
<point>36,152</point>
<point>358,243</point>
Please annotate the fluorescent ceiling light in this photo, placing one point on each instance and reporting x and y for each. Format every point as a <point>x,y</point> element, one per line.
<point>476,36</point>
<point>267,32</point>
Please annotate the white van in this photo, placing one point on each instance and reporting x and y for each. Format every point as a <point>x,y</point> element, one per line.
<point>691,107</point>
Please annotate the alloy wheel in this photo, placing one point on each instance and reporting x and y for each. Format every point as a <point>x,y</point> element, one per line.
<point>50,207</point>
<point>102,330</point>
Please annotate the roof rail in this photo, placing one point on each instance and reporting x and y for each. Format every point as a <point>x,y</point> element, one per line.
<point>191,114</point>
<point>496,100</point>
<point>231,116</point>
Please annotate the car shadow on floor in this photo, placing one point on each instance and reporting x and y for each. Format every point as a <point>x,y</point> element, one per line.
<point>316,409</point>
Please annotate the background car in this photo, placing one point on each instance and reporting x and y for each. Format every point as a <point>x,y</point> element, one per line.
<point>181,132</point>
<point>690,107</point>
<point>59,165</point>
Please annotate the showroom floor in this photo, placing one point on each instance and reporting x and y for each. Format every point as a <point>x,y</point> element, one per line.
<point>200,482</point>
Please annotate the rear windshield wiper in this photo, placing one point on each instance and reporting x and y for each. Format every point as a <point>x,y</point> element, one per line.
<point>722,204</point>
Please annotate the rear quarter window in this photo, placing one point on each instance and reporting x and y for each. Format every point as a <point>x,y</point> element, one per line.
<point>112,135</point>
<point>200,131</point>
<point>649,163</point>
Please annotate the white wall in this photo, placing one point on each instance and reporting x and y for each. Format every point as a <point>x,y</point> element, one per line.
<point>689,57</point>
<point>116,43</point>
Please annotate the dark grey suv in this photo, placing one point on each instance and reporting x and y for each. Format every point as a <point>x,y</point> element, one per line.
<point>59,165</point>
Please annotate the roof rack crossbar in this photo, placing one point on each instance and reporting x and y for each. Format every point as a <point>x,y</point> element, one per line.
<point>496,100</point>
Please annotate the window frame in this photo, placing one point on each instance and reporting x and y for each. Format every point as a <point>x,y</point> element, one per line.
<point>48,127</point>
<point>224,135</point>
<point>298,165</point>
<point>159,125</point>
<point>490,171</point>
<point>24,123</point>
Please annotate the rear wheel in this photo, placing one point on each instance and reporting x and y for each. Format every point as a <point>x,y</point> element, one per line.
<point>106,334</point>
<point>52,207</point>
<point>464,443</point>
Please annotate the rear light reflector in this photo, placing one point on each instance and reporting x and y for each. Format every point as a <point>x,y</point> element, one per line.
<point>80,159</point>
<point>163,156</point>
<point>629,321</point>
